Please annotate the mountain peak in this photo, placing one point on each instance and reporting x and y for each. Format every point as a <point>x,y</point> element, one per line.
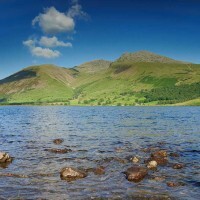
<point>146,56</point>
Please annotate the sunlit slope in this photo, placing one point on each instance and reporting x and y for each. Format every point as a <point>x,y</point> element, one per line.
<point>38,84</point>
<point>93,67</point>
<point>134,78</point>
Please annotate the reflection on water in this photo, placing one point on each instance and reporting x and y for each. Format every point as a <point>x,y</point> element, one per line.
<point>93,134</point>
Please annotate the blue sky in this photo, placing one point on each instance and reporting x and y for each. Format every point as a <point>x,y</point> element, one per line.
<point>69,32</point>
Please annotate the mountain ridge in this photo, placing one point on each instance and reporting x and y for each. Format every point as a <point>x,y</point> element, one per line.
<point>120,82</point>
<point>147,56</point>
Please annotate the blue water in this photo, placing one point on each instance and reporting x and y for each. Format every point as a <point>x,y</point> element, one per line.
<point>93,134</point>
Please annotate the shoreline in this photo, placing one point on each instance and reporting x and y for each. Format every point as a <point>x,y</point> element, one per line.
<point>46,105</point>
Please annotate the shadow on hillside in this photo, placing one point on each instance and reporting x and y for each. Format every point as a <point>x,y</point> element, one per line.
<point>19,76</point>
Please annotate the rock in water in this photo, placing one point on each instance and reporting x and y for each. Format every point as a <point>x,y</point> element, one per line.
<point>70,174</point>
<point>58,141</point>
<point>134,159</point>
<point>5,158</point>
<point>99,170</point>
<point>174,154</point>
<point>173,184</point>
<point>177,166</point>
<point>160,157</point>
<point>152,164</point>
<point>14,175</point>
<point>161,153</point>
<point>61,151</point>
<point>136,173</point>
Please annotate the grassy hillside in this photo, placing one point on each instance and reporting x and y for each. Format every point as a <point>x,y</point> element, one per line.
<point>141,78</point>
<point>93,66</point>
<point>45,83</point>
<point>126,82</point>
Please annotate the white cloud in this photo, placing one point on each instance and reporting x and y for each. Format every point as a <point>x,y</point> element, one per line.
<point>52,21</point>
<point>53,42</point>
<point>39,51</point>
<point>45,52</point>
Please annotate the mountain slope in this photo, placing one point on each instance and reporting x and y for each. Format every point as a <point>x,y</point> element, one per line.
<point>124,80</point>
<point>135,78</point>
<point>128,78</point>
<point>37,83</point>
<point>93,66</point>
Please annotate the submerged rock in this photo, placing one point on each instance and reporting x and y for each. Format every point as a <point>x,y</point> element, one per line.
<point>177,166</point>
<point>176,155</point>
<point>173,184</point>
<point>159,178</point>
<point>58,141</point>
<point>149,149</point>
<point>152,164</point>
<point>160,157</point>
<point>136,173</point>
<point>70,174</point>
<point>161,153</point>
<point>120,160</point>
<point>59,150</point>
<point>99,170</point>
<point>119,149</point>
<point>135,159</point>
<point>5,158</point>
<point>14,175</point>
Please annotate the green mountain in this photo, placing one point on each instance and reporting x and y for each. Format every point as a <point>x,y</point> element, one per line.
<point>37,84</point>
<point>141,78</point>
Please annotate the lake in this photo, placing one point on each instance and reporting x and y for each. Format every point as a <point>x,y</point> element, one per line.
<point>98,136</point>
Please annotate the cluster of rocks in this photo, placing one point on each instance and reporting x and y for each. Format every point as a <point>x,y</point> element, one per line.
<point>136,172</point>
<point>71,173</point>
<point>158,158</point>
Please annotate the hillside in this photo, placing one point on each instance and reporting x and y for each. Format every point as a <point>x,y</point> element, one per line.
<point>37,84</point>
<point>93,66</point>
<point>141,78</point>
